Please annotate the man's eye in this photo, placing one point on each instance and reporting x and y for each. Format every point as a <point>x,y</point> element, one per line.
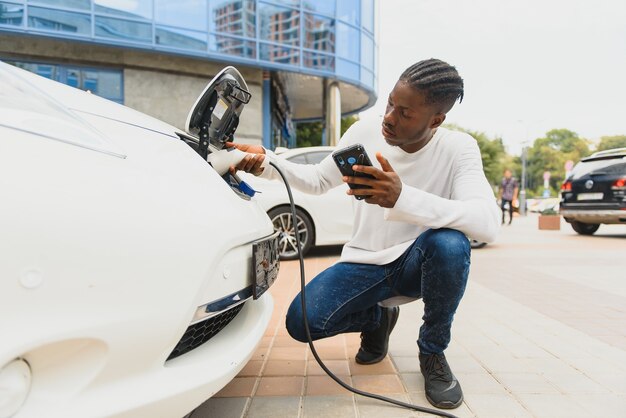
<point>405,115</point>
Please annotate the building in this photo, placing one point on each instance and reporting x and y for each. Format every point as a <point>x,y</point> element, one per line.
<point>302,59</point>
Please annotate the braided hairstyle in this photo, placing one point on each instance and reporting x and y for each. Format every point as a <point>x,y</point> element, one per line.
<point>438,80</point>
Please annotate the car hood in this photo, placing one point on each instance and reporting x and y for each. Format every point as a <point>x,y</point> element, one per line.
<point>47,108</point>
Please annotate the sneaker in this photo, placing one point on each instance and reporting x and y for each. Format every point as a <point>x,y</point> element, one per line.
<point>442,388</point>
<point>374,344</point>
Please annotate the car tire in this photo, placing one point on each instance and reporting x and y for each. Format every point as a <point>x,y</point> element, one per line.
<point>583,228</point>
<point>282,219</point>
<point>477,244</point>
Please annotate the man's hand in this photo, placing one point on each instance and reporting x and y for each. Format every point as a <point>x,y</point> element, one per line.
<point>250,163</point>
<point>385,186</point>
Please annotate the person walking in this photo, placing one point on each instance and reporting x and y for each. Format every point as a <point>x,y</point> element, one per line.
<point>508,194</point>
<point>427,194</point>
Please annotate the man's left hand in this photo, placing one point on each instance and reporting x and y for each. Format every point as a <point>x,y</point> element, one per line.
<point>385,186</point>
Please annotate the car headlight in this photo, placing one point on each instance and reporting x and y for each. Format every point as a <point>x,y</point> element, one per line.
<point>15,382</point>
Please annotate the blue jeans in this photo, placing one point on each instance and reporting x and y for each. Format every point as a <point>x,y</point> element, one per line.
<point>344,297</point>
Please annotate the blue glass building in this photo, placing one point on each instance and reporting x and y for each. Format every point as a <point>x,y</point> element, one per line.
<point>303,59</point>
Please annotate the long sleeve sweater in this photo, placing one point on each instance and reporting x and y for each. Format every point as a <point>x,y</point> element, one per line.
<point>443,186</point>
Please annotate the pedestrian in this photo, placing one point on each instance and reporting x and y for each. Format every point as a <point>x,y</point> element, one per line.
<point>429,193</point>
<point>508,194</point>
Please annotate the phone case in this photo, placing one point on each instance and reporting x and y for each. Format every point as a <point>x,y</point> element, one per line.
<point>345,158</point>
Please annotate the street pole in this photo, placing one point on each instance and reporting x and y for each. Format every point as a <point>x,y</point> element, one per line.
<point>522,192</point>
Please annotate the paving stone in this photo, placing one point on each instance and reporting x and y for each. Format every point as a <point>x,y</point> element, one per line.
<point>221,407</point>
<point>329,407</point>
<point>274,407</point>
<point>373,408</point>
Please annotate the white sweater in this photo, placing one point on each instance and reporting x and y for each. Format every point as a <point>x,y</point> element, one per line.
<point>443,186</point>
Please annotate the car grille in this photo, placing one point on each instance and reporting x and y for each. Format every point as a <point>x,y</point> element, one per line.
<point>198,334</point>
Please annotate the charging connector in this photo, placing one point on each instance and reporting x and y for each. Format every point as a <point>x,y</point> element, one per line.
<point>308,332</point>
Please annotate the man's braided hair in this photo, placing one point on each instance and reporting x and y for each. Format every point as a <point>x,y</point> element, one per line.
<point>438,80</point>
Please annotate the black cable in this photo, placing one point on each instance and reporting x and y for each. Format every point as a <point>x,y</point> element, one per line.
<point>308,332</point>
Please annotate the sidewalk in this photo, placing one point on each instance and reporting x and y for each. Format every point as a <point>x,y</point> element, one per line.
<point>540,333</point>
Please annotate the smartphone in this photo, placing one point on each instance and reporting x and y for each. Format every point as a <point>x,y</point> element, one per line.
<point>347,157</point>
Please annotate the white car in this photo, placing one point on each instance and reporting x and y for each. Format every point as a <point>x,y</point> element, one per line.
<point>322,219</point>
<point>126,290</point>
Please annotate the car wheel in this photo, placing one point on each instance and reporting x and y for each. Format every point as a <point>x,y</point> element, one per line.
<point>477,244</point>
<point>282,220</point>
<point>584,229</point>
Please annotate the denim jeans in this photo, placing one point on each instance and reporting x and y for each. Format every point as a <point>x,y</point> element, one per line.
<point>344,297</point>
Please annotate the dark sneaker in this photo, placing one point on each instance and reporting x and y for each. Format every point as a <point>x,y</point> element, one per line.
<point>374,344</point>
<point>442,388</point>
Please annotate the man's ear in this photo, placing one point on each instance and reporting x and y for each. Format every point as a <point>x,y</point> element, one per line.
<point>437,120</point>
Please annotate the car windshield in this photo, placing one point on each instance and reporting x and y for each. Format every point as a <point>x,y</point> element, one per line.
<point>314,157</point>
<point>603,166</point>
<point>28,109</point>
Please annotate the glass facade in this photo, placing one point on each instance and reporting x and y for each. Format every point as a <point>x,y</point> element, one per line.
<point>333,38</point>
<point>101,82</point>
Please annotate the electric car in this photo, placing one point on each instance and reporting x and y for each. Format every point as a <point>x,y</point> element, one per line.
<point>127,289</point>
<point>322,220</point>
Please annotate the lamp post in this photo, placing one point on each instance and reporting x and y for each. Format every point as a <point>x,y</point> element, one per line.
<point>522,192</point>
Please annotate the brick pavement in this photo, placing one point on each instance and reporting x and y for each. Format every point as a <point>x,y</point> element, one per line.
<point>540,333</point>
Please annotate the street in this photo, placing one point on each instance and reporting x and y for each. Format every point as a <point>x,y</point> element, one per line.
<point>541,332</point>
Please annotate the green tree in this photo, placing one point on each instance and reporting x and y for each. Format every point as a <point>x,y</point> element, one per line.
<point>609,142</point>
<point>309,134</point>
<point>550,154</point>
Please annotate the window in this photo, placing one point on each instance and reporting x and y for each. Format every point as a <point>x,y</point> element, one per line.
<point>367,51</point>
<point>11,14</point>
<point>126,30</point>
<point>232,46</point>
<point>59,21</point>
<point>187,14</point>
<point>367,15</point>
<point>132,9</point>
<point>326,7</point>
<point>180,38</point>
<point>349,11</point>
<point>102,82</point>
<point>279,24</point>
<point>233,17</point>
<point>347,42</point>
<point>279,54</point>
<point>319,33</point>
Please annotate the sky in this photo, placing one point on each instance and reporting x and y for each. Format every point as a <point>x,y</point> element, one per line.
<point>528,66</point>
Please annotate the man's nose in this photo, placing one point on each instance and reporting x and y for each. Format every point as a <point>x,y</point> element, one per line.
<point>389,119</point>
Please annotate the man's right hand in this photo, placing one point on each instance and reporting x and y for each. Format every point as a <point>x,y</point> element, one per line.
<point>250,163</point>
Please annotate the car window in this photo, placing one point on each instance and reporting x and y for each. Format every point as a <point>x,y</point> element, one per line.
<point>298,159</point>
<point>316,157</point>
<point>607,166</point>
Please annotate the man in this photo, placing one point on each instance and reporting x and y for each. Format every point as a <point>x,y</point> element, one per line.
<point>409,238</point>
<point>508,194</point>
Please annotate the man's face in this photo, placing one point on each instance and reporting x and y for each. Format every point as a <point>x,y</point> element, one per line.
<point>409,121</point>
<point>507,174</point>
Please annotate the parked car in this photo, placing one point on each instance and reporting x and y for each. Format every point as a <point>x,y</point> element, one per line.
<point>595,192</point>
<point>126,290</point>
<point>322,220</point>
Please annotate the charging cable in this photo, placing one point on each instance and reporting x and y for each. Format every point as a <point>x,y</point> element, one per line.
<point>308,332</point>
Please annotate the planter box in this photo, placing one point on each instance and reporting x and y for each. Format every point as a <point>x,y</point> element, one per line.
<point>550,222</point>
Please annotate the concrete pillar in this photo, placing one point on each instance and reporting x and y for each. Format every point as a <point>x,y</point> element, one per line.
<point>332,113</point>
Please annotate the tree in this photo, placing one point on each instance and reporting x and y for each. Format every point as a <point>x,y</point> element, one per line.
<point>609,142</point>
<point>309,134</point>
<point>550,154</point>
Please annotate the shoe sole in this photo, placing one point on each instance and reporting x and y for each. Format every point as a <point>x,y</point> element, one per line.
<point>382,357</point>
<point>446,405</point>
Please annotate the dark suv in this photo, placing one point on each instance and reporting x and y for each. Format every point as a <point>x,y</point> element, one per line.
<point>595,192</point>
